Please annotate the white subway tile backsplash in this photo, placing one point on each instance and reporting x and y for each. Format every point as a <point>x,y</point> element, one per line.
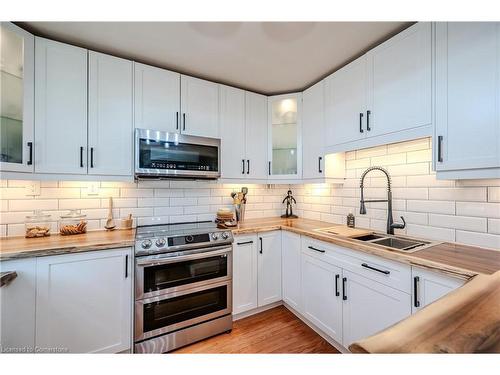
<point>136,193</point>
<point>183,201</point>
<point>476,224</point>
<point>391,159</point>
<point>430,233</point>
<point>153,202</point>
<point>439,207</point>
<point>458,194</point>
<point>427,181</point>
<point>33,204</point>
<point>494,226</point>
<point>479,239</point>
<point>491,210</point>
<point>494,194</point>
<point>71,204</point>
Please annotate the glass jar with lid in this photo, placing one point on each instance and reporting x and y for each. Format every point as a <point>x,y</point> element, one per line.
<point>37,225</point>
<point>73,223</point>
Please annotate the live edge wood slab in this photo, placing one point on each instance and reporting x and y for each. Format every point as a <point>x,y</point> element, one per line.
<point>465,321</point>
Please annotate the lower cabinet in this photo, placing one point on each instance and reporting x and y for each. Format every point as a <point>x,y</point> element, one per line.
<point>17,307</point>
<point>429,286</point>
<point>370,307</point>
<point>322,300</point>
<point>291,270</point>
<point>269,268</point>
<point>84,302</point>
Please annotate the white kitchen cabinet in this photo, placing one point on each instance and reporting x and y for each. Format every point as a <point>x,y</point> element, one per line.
<point>345,103</point>
<point>232,116</point>
<point>313,128</point>
<point>157,98</point>
<point>321,293</point>
<point>429,286</point>
<point>256,135</point>
<point>110,127</point>
<point>16,98</point>
<point>84,301</point>
<point>60,108</point>
<point>467,132</point>
<point>17,307</point>
<point>291,270</point>
<point>269,268</point>
<point>285,136</point>
<point>400,82</point>
<point>199,107</point>
<point>244,273</point>
<point>369,307</point>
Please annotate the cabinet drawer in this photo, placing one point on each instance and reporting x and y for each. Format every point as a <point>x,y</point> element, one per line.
<point>387,272</point>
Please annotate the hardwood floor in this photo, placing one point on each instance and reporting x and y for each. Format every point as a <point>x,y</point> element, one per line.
<point>273,331</point>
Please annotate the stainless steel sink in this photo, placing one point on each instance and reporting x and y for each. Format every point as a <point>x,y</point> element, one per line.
<point>400,243</point>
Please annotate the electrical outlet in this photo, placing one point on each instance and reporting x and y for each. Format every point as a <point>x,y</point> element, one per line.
<point>93,188</point>
<point>32,188</point>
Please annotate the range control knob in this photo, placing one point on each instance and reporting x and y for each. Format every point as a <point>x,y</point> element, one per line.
<point>215,236</point>
<point>146,244</point>
<point>189,238</point>
<point>160,242</point>
<point>225,235</point>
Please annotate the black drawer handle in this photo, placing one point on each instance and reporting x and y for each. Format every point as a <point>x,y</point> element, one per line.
<point>368,113</point>
<point>344,287</point>
<point>319,164</point>
<point>92,157</point>
<point>177,120</point>
<point>385,272</point>
<point>440,148</point>
<point>81,157</point>
<point>416,302</point>
<point>337,293</point>
<point>248,166</point>
<point>30,160</point>
<point>126,266</point>
<point>261,249</point>
<point>184,121</point>
<point>313,248</point>
<point>242,166</point>
<point>361,123</point>
<point>244,243</point>
<point>269,168</point>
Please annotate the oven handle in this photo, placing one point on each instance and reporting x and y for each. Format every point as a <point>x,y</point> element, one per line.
<point>150,261</point>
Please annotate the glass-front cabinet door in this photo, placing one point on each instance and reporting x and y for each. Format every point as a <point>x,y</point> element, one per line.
<point>17,50</point>
<point>285,146</point>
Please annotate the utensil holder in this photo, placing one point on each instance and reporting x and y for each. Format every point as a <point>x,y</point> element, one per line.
<point>239,210</point>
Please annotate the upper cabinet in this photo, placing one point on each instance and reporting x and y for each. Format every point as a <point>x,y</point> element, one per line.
<point>285,136</point>
<point>60,108</point>
<point>384,96</point>
<point>313,125</point>
<point>467,133</point>
<point>16,96</point>
<point>256,133</point>
<point>157,98</point>
<point>110,124</point>
<point>199,107</point>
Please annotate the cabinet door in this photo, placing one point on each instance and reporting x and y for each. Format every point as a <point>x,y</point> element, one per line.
<point>269,268</point>
<point>399,81</point>
<point>84,301</point>
<point>291,268</point>
<point>429,286</point>
<point>313,118</point>
<point>285,136</point>
<point>322,300</point>
<point>157,98</point>
<point>467,95</point>
<point>17,307</point>
<point>232,114</point>
<point>16,98</point>
<point>110,115</point>
<point>60,107</point>
<point>370,307</point>
<point>345,103</point>
<point>256,135</point>
<point>199,107</point>
<point>244,273</point>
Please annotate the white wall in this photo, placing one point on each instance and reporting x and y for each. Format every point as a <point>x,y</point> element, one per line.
<point>462,211</point>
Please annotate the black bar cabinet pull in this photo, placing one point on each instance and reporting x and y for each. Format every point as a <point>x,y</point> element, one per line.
<point>242,166</point>
<point>261,250</point>
<point>269,168</point>
<point>319,164</point>
<point>126,266</point>
<point>248,166</point>
<point>385,272</point>
<point>368,113</point>
<point>344,294</point>
<point>81,157</point>
<point>416,302</point>
<point>244,243</point>
<point>440,148</point>
<point>361,123</point>
<point>183,121</point>
<point>313,248</point>
<point>337,293</point>
<point>92,157</point>
<point>177,120</point>
<point>30,160</point>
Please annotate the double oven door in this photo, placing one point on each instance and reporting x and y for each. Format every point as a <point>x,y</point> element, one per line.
<point>173,292</point>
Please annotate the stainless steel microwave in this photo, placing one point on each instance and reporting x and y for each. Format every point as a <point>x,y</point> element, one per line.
<point>162,154</point>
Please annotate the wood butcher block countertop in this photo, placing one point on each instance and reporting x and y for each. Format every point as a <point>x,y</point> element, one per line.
<point>465,321</point>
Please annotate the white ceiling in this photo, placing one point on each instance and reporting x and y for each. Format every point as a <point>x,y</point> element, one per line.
<point>267,57</point>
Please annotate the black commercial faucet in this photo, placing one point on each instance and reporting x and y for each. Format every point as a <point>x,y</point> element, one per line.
<point>362,208</point>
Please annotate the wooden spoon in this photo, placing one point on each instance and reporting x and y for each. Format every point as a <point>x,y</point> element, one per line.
<point>110,223</point>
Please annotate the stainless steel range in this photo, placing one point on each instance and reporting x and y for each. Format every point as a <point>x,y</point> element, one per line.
<point>183,285</point>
